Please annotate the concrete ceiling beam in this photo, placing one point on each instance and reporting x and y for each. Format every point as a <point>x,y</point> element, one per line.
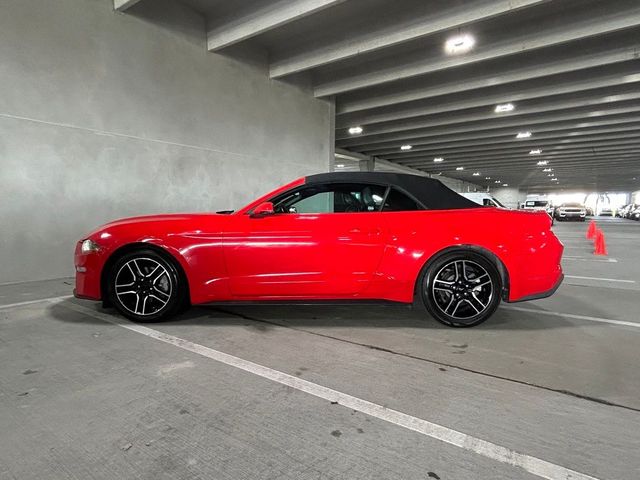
<point>438,21</point>
<point>538,122</point>
<point>585,25</point>
<point>255,22</point>
<point>517,158</point>
<point>537,68</point>
<point>558,105</point>
<point>578,125</point>
<point>562,136</point>
<point>547,148</point>
<point>561,164</point>
<point>122,5</point>
<point>492,96</point>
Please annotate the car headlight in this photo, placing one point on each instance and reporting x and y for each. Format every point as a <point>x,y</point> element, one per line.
<point>89,246</point>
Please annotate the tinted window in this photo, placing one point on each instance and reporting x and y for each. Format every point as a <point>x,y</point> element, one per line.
<point>332,198</point>
<point>399,202</point>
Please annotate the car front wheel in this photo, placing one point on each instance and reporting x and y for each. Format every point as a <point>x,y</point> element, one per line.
<point>145,287</point>
<point>461,289</point>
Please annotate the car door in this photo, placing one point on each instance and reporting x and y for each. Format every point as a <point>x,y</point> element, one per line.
<point>323,241</point>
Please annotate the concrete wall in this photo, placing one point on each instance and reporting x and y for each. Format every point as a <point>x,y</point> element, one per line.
<point>509,197</point>
<point>105,115</point>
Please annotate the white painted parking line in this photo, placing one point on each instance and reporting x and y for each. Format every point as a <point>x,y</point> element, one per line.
<point>600,279</point>
<point>589,259</point>
<point>574,316</point>
<point>533,465</point>
<point>32,302</point>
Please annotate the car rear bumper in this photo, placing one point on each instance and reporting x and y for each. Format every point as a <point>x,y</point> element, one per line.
<point>545,294</point>
<point>538,273</point>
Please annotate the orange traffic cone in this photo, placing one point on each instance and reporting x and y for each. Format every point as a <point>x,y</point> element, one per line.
<point>599,244</point>
<point>591,231</point>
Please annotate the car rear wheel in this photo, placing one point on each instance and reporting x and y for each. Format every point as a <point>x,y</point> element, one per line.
<point>461,289</point>
<point>145,287</point>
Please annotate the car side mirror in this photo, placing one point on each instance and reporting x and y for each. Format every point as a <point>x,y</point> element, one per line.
<point>263,210</point>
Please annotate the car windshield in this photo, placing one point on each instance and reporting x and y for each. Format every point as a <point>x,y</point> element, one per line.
<point>536,203</point>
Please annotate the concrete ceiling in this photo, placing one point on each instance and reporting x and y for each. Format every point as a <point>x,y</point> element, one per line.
<point>571,69</point>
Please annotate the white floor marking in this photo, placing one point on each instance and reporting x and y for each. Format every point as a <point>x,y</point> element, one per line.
<point>573,315</point>
<point>31,302</point>
<point>533,465</point>
<point>601,279</point>
<point>60,279</point>
<point>589,259</point>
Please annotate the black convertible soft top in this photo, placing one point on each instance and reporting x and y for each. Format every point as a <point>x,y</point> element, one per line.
<point>431,193</point>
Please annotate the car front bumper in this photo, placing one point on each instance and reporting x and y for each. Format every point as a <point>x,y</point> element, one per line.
<point>571,215</point>
<point>88,268</point>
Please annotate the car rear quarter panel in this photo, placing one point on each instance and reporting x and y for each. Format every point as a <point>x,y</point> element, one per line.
<point>521,241</point>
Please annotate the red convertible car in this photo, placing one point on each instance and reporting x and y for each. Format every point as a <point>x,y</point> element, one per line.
<point>327,237</point>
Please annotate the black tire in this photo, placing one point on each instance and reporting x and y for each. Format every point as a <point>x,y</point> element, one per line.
<point>145,286</point>
<point>469,293</point>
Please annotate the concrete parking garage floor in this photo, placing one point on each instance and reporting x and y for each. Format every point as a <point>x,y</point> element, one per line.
<point>552,385</point>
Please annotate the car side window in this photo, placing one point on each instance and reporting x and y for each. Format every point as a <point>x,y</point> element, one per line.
<point>397,201</point>
<point>332,198</point>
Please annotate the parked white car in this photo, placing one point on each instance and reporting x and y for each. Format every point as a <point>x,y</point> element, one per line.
<point>571,211</point>
<point>537,205</point>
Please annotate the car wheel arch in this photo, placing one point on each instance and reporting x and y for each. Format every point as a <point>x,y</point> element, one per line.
<point>132,247</point>
<point>486,253</point>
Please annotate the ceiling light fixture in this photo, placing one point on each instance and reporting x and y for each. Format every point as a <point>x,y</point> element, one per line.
<point>554,179</point>
<point>406,147</point>
<point>523,135</point>
<point>355,130</point>
<point>541,163</point>
<point>505,184</point>
<point>459,44</point>
<point>537,151</point>
<point>438,160</point>
<point>459,168</point>
<point>340,165</point>
<point>476,174</point>
<point>548,170</point>
<point>504,107</point>
<point>498,181</point>
<point>487,178</point>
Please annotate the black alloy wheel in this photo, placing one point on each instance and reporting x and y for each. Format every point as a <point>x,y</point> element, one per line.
<point>145,287</point>
<point>461,289</point>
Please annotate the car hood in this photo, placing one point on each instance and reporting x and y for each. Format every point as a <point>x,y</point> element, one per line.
<point>169,217</point>
<point>155,224</point>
